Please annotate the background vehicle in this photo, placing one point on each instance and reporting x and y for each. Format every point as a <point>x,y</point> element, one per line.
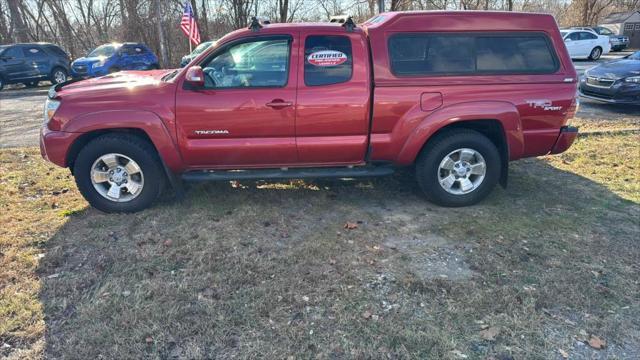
<point>616,81</point>
<point>197,51</point>
<point>31,63</point>
<point>618,42</point>
<point>452,96</point>
<point>585,44</point>
<point>110,58</point>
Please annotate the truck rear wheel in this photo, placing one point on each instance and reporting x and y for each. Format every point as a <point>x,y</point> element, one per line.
<point>118,173</point>
<point>458,168</point>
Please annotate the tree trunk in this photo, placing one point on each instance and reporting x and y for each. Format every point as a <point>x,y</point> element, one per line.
<point>19,28</point>
<point>164,56</point>
<point>205,22</point>
<point>283,7</point>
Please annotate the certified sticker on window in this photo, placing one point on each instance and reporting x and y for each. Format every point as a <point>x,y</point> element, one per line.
<point>327,58</point>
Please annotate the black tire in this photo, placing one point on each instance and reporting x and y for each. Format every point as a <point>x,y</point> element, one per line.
<point>428,163</point>
<point>154,67</point>
<point>31,84</point>
<point>114,70</point>
<point>54,73</point>
<point>139,150</point>
<point>595,53</point>
<point>1,83</point>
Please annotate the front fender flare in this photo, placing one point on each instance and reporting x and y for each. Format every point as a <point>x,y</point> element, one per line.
<point>504,112</point>
<point>146,121</point>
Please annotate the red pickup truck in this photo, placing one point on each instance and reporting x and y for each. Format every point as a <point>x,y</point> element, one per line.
<point>455,94</point>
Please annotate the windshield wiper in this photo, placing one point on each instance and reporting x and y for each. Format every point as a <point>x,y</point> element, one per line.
<point>170,75</point>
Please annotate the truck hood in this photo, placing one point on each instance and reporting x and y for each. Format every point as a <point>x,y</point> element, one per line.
<point>616,69</point>
<point>112,84</point>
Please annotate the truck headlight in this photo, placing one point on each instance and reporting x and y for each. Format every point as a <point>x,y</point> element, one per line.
<point>633,79</point>
<point>50,107</point>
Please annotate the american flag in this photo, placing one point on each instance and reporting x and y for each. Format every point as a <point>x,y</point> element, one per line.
<point>188,24</point>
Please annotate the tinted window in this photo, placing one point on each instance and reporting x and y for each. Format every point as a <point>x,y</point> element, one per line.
<point>514,54</point>
<point>327,60</point>
<point>574,36</point>
<point>33,52</point>
<point>587,36</point>
<point>432,54</point>
<point>56,51</point>
<point>250,64</point>
<point>133,50</point>
<point>13,52</point>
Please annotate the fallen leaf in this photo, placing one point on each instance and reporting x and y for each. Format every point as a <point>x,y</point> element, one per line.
<point>350,226</point>
<point>458,354</point>
<point>148,339</point>
<point>597,343</point>
<point>489,334</point>
<point>366,314</point>
<point>167,242</point>
<point>563,353</point>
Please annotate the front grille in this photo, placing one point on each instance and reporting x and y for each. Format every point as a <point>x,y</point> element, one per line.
<point>596,94</point>
<point>600,82</point>
<point>80,69</point>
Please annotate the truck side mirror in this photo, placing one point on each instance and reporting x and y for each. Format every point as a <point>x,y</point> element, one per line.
<point>195,77</point>
<point>567,40</point>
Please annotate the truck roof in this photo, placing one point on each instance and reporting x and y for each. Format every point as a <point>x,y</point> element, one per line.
<point>465,20</point>
<point>439,20</point>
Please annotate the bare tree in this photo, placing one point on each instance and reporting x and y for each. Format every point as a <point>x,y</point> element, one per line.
<point>17,24</point>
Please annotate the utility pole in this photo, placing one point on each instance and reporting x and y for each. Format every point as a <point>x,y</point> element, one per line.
<point>380,6</point>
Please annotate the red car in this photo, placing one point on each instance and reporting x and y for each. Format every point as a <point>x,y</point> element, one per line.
<point>457,94</point>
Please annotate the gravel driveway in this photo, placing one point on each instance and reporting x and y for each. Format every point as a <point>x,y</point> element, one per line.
<point>21,110</point>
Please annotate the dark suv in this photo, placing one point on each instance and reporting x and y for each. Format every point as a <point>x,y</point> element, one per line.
<point>31,63</point>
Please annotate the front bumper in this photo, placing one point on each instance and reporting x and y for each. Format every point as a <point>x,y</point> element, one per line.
<point>54,145</point>
<point>566,138</point>
<point>619,92</point>
<point>87,70</point>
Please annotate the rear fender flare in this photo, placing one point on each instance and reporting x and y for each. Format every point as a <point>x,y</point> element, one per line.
<point>504,112</point>
<point>145,121</point>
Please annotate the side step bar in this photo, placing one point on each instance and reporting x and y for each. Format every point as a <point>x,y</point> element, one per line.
<point>290,173</point>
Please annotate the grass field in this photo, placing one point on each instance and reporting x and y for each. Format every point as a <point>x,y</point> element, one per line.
<point>268,270</point>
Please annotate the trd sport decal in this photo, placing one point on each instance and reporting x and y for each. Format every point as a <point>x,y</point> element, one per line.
<point>327,58</point>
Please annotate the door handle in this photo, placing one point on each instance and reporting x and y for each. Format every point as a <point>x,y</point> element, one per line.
<point>279,104</point>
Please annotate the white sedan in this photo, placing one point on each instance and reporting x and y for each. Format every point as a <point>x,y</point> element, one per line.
<point>585,44</point>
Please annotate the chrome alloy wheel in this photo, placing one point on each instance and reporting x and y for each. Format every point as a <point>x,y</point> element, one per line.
<point>117,177</point>
<point>462,171</point>
<point>59,77</point>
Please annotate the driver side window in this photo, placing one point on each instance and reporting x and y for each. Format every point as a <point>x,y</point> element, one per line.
<point>260,63</point>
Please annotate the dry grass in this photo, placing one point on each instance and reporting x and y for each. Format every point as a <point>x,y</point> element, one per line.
<point>267,270</point>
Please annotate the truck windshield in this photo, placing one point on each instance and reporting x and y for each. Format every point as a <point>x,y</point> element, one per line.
<point>634,56</point>
<point>2,47</point>
<point>104,50</point>
<point>202,47</point>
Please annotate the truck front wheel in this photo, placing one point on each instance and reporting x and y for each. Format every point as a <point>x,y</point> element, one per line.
<point>458,168</point>
<point>118,173</point>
